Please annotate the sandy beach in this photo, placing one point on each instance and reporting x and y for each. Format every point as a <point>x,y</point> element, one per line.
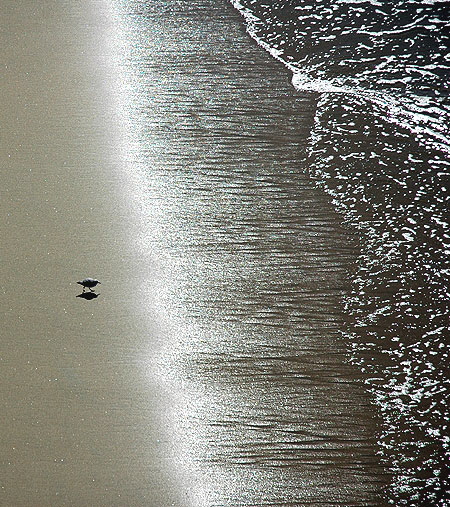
<point>82,422</point>
<point>79,424</point>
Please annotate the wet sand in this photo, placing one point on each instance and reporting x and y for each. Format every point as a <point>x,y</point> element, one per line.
<point>238,252</point>
<point>80,424</point>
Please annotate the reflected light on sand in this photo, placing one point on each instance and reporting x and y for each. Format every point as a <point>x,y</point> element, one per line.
<point>154,284</point>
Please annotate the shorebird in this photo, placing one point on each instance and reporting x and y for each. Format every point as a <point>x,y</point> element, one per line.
<point>88,282</point>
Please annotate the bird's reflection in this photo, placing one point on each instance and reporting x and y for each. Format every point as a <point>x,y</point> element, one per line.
<point>88,295</point>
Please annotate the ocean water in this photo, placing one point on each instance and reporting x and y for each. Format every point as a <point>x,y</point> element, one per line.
<point>380,147</point>
<point>295,223</point>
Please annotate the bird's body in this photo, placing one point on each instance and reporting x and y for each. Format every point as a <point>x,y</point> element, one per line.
<point>89,282</point>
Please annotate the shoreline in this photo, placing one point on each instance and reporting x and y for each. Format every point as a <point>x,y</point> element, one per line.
<point>255,264</point>
<point>237,252</point>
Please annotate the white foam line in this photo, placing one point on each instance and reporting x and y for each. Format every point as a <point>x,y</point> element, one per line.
<point>409,116</point>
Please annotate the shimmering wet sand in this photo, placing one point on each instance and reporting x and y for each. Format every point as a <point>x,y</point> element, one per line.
<point>176,176</point>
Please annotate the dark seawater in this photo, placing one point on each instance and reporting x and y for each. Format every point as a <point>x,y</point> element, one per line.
<point>248,265</point>
<point>380,147</point>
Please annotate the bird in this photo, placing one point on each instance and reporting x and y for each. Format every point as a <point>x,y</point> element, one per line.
<point>88,282</point>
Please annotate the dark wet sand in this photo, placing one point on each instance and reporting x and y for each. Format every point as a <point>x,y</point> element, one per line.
<point>82,421</point>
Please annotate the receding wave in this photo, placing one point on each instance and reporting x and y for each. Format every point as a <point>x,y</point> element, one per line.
<point>380,147</point>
